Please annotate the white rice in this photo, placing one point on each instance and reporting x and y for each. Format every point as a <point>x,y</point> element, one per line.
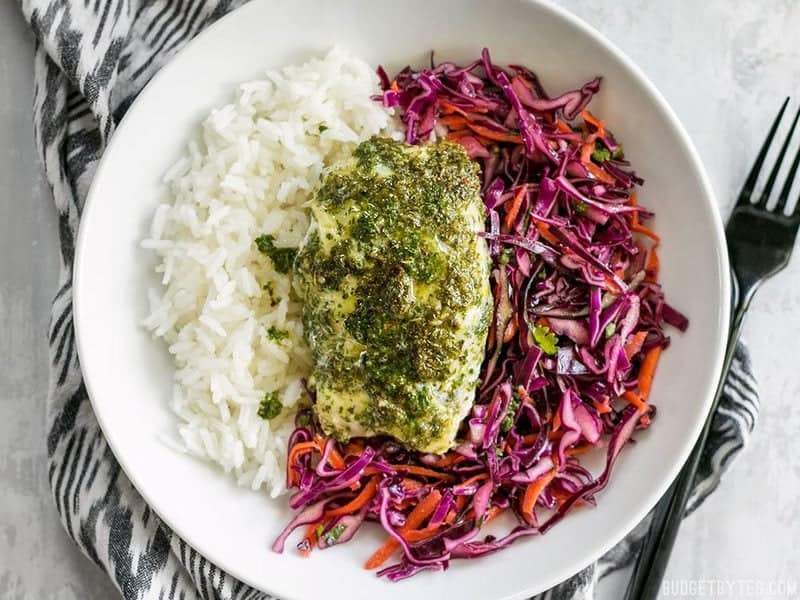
<point>249,172</point>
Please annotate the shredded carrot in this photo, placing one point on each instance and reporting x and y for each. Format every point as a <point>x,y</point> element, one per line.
<point>492,334</point>
<point>653,265</point>
<point>421,471</point>
<point>412,470</point>
<point>311,537</point>
<point>448,108</point>
<point>491,513</point>
<point>532,493</point>
<point>497,136</point>
<point>420,534</point>
<point>382,554</point>
<point>453,121</point>
<point>448,460</point>
<point>411,485</point>
<point>601,407</point>
<point>561,496</point>
<point>636,400</point>
<point>598,172</point>
<point>556,422</point>
<point>635,344</point>
<point>586,153</point>
<point>415,519</point>
<point>577,450</point>
<point>647,371</point>
<point>354,448</point>
<point>645,420</point>
<point>544,231</point>
<point>563,127</point>
<point>511,329</point>
<point>646,231</point>
<point>516,203</point>
<point>474,478</point>
<point>393,86</point>
<point>334,458</point>
<point>634,214</point>
<point>457,134</point>
<point>591,119</point>
<point>298,450</point>
<point>358,502</point>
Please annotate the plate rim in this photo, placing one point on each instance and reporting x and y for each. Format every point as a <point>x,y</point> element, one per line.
<point>715,366</point>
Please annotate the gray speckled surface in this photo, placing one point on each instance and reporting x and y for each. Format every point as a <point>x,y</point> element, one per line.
<point>37,559</point>
<point>724,65</point>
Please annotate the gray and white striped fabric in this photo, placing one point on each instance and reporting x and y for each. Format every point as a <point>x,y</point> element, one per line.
<point>92,58</point>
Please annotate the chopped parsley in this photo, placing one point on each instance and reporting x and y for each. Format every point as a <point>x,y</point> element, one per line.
<point>334,534</point>
<point>276,334</point>
<point>580,207</point>
<point>505,256</point>
<point>304,419</point>
<point>545,339</point>
<point>323,128</point>
<point>600,155</point>
<point>270,406</point>
<point>282,258</point>
<point>611,328</point>
<point>508,420</point>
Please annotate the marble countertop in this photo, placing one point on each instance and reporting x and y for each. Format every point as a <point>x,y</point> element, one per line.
<point>724,65</point>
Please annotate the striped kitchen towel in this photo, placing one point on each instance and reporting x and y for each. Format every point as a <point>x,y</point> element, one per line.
<point>92,58</point>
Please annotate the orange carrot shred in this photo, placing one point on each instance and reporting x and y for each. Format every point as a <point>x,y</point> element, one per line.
<point>358,502</point>
<point>511,329</point>
<point>636,400</point>
<point>497,136</point>
<point>311,537</point>
<point>653,265</point>
<point>647,371</point>
<point>601,407</point>
<point>599,124</point>
<point>556,422</point>
<point>635,344</point>
<point>457,134</point>
<point>563,127</point>
<point>453,121</point>
<point>544,231</point>
<point>414,521</point>
<point>532,493</point>
<point>598,172</point>
<point>516,203</point>
<point>577,450</point>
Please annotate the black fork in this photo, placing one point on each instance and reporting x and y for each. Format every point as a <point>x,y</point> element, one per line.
<point>760,241</point>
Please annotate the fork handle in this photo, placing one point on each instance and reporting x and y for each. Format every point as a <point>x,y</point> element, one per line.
<point>651,564</point>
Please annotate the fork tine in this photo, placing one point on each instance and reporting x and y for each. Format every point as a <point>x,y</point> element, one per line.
<point>749,184</point>
<point>762,201</point>
<point>787,186</point>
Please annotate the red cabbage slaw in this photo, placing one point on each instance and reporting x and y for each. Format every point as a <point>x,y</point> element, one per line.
<point>574,342</point>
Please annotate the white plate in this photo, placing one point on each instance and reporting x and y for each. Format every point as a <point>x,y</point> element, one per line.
<point>128,375</point>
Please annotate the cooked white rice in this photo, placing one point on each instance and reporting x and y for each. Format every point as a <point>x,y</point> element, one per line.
<point>250,172</point>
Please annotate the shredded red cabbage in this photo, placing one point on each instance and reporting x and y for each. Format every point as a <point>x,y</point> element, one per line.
<point>577,331</point>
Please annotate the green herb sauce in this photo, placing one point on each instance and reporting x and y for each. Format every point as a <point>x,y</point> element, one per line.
<point>396,292</point>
